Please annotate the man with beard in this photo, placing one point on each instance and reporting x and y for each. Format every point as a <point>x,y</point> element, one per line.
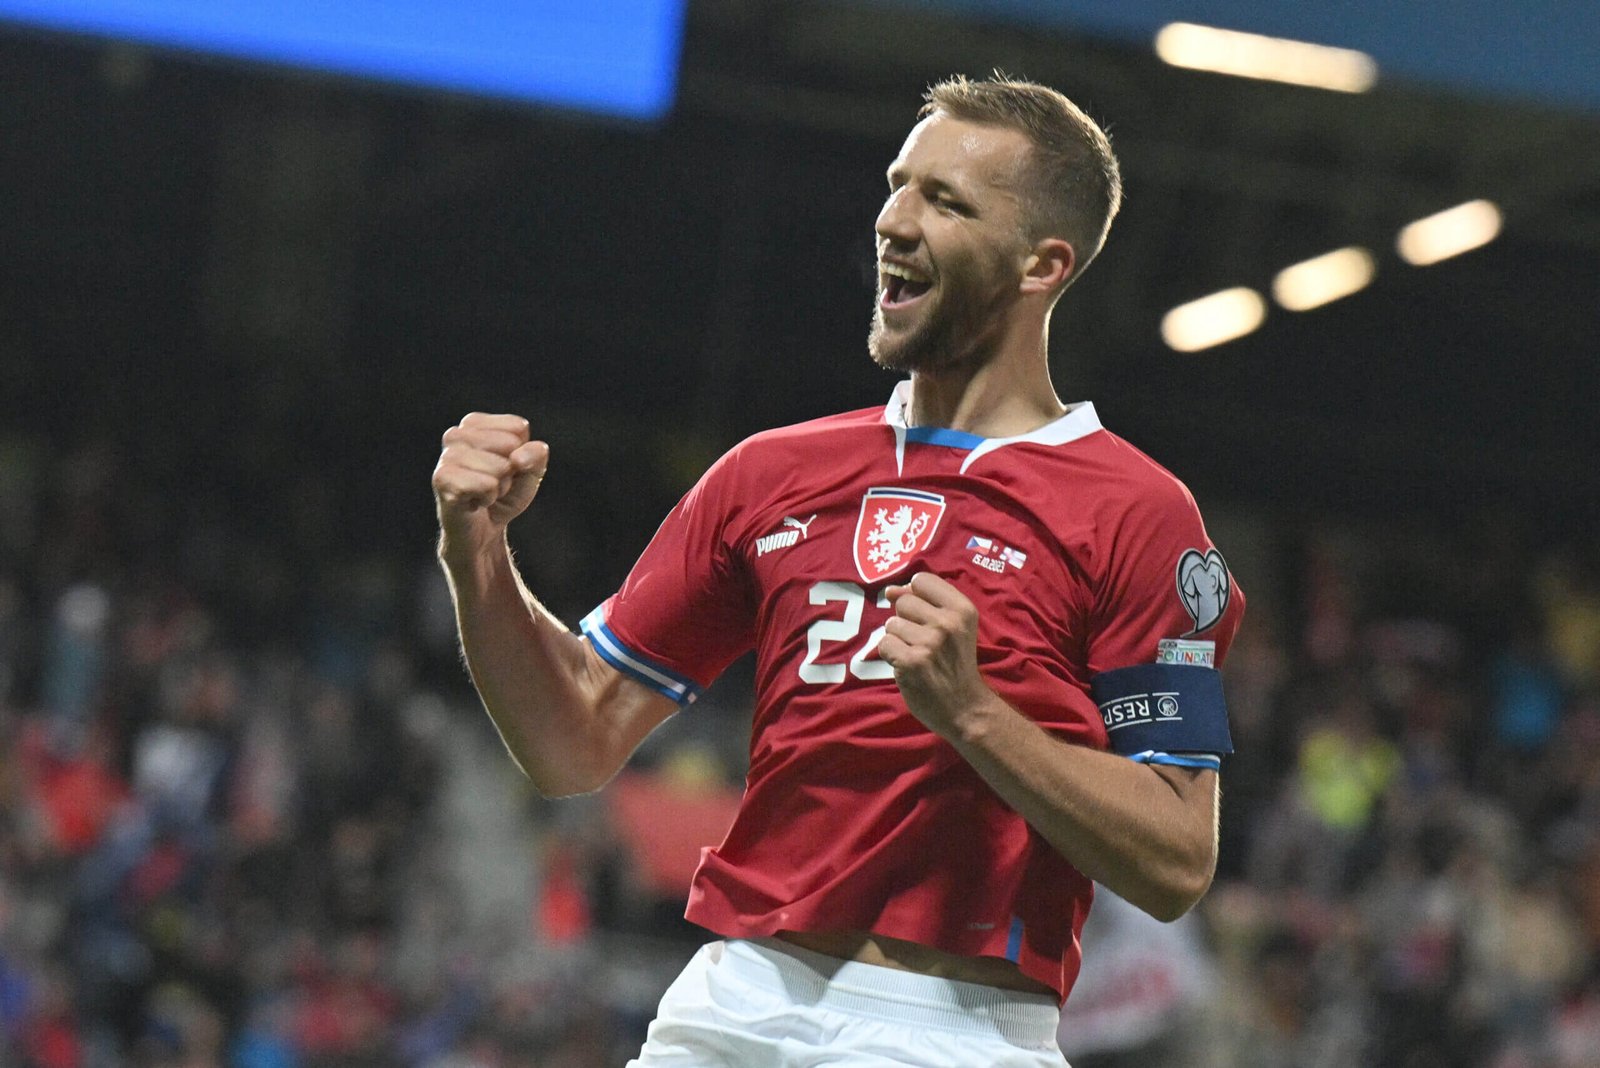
<point>980,682</point>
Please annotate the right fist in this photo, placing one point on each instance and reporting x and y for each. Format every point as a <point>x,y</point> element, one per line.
<point>487,475</point>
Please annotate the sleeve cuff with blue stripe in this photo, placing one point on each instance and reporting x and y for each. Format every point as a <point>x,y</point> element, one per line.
<point>642,669</point>
<point>1179,760</point>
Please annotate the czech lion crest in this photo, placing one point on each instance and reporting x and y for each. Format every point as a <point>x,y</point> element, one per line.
<point>895,526</point>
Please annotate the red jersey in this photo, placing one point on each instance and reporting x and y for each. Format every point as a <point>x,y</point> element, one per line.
<point>1081,555</point>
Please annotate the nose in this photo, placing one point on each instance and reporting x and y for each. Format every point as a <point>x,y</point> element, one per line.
<point>897,221</point>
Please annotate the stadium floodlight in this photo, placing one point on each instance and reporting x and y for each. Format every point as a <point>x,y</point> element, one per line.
<point>1274,59</point>
<point>1324,279</point>
<point>1201,324</point>
<point>1449,233</point>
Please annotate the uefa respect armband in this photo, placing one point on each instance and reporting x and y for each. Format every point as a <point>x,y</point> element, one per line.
<point>1164,713</point>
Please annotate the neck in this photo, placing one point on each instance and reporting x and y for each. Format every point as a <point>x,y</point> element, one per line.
<point>1007,395</point>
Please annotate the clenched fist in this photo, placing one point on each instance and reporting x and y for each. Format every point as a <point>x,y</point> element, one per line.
<point>932,644</point>
<point>487,475</point>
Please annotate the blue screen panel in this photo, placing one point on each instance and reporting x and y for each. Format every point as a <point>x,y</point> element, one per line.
<point>614,56</point>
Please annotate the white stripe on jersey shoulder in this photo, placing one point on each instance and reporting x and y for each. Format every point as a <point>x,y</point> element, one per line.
<point>1080,421</point>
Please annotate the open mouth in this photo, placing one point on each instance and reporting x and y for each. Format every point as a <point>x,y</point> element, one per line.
<point>901,286</point>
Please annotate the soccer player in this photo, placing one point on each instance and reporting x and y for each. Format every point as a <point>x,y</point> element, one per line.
<point>986,633</point>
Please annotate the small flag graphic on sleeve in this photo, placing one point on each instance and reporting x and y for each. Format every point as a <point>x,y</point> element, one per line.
<point>1015,557</point>
<point>981,544</point>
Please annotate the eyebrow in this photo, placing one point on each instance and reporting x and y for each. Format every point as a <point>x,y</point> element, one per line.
<point>897,176</point>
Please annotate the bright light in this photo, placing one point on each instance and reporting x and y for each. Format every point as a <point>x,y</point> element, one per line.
<point>1449,233</point>
<point>1323,279</point>
<point>1250,55</point>
<point>1212,320</point>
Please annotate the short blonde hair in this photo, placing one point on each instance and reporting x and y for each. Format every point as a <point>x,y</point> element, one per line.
<point>1072,184</point>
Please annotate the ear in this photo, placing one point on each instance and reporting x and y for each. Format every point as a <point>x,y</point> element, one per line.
<point>1048,266</point>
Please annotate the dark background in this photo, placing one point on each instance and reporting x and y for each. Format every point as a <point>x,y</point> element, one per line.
<point>245,274</point>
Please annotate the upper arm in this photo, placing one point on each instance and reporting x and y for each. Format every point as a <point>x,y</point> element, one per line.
<point>624,712</point>
<point>687,608</point>
<point>1166,610</point>
<point>684,613</point>
<point>1163,578</point>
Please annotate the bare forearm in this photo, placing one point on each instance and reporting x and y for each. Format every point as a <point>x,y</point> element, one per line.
<point>531,672</point>
<point>568,719</point>
<point>1146,833</point>
<point>1150,834</point>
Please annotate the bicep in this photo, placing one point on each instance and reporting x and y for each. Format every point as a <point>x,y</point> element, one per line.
<point>625,709</point>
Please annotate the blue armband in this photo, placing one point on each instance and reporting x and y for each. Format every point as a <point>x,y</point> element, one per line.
<point>1163,708</point>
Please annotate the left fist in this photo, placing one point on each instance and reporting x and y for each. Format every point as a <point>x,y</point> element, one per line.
<point>932,644</point>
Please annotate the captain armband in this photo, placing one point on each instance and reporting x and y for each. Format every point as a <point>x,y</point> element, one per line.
<point>1164,713</point>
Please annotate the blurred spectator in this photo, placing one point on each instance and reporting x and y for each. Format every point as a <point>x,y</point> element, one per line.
<point>1570,594</point>
<point>1139,997</point>
<point>1527,694</point>
<point>75,657</point>
<point>1342,770</point>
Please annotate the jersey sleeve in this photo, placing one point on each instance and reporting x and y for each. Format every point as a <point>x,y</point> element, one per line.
<point>1164,616</point>
<point>685,611</point>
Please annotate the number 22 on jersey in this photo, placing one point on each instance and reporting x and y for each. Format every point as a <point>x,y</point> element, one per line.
<point>863,662</point>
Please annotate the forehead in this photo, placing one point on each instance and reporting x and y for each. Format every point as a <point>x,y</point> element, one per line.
<point>961,152</point>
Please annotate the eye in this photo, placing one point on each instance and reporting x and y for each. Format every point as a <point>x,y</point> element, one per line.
<point>952,205</point>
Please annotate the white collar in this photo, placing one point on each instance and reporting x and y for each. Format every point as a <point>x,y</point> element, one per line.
<point>1080,420</point>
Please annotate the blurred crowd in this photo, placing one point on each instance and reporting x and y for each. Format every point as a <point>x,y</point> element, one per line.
<point>250,815</point>
<point>1411,871</point>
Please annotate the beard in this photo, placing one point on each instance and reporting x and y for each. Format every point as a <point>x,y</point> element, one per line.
<point>956,324</point>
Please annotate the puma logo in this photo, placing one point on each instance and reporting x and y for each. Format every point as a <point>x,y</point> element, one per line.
<point>794,530</point>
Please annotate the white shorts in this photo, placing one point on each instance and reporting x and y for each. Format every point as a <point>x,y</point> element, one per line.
<point>750,1004</point>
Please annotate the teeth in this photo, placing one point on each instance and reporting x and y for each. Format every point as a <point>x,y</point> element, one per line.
<point>904,272</point>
